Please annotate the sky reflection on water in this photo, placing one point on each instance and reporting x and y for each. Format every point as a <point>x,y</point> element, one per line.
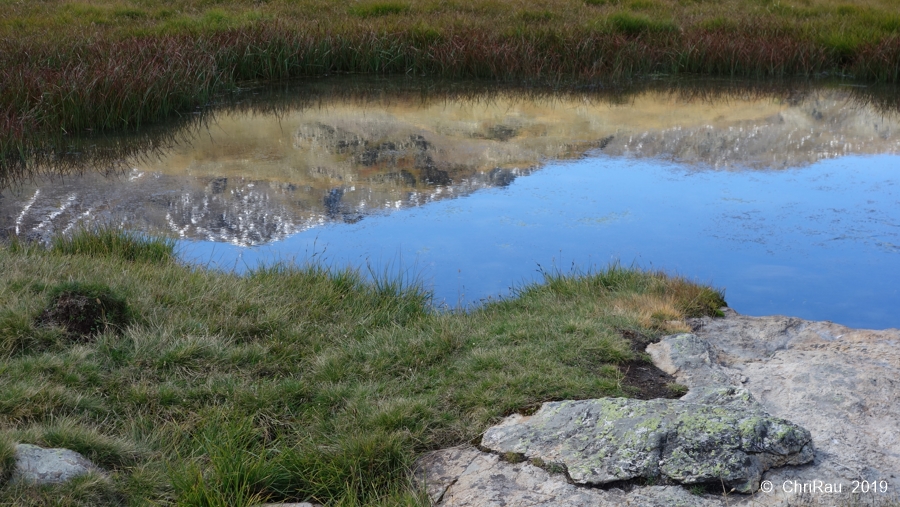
<point>820,242</point>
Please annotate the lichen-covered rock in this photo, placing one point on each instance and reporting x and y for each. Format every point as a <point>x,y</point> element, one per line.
<point>49,466</point>
<point>606,440</point>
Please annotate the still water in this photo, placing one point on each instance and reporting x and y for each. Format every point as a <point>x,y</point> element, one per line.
<point>785,198</point>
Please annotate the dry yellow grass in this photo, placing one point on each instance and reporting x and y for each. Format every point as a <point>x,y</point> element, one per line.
<point>654,311</point>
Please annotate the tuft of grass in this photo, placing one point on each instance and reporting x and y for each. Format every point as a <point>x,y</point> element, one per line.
<point>84,491</point>
<point>719,24</point>
<point>677,389</point>
<point>659,301</point>
<point>361,466</point>
<point>695,300</point>
<point>514,457</point>
<point>536,16</point>
<point>7,458</point>
<point>235,468</point>
<point>112,242</point>
<point>378,9</point>
<point>128,12</point>
<point>19,334</point>
<point>636,24</point>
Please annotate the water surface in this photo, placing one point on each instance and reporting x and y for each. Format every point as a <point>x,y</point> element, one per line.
<point>786,198</point>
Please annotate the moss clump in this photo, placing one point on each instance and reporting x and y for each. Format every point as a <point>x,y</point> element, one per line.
<point>677,389</point>
<point>514,457</point>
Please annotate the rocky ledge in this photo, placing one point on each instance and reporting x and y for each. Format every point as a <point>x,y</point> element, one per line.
<point>760,389</point>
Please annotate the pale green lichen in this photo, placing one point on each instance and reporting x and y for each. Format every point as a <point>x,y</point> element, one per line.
<point>618,439</point>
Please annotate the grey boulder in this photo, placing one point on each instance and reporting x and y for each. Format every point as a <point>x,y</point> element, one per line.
<point>39,465</point>
<point>715,434</point>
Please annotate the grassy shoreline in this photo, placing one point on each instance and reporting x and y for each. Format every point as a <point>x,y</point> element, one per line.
<point>71,67</point>
<point>206,388</point>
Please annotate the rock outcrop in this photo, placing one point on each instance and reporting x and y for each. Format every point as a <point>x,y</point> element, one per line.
<point>731,440</point>
<point>841,384</point>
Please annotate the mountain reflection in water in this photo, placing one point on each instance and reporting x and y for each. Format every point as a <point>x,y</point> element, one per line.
<point>331,154</point>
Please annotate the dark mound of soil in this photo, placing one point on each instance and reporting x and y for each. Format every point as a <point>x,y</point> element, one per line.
<point>84,310</point>
<point>641,378</point>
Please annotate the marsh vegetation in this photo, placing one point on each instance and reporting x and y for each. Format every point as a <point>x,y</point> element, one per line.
<point>70,67</point>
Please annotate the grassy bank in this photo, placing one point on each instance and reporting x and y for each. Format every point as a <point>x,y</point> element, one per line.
<point>68,67</point>
<point>196,387</point>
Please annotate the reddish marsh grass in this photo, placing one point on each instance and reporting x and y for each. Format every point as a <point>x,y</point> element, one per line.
<point>124,65</point>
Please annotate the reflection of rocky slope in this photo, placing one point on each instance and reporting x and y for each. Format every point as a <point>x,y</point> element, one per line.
<point>234,210</point>
<point>812,129</point>
<point>250,179</point>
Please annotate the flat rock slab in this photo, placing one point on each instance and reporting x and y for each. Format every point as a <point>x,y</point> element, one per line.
<point>842,384</point>
<point>467,477</point>
<point>731,439</point>
<point>39,465</point>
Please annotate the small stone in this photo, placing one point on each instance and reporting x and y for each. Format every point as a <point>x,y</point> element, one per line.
<point>39,465</point>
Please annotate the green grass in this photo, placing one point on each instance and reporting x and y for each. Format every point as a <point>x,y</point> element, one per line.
<point>7,457</point>
<point>377,9</point>
<point>111,242</point>
<point>632,24</point>
<point>293,383</point>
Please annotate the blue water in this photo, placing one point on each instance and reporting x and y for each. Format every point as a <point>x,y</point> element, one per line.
<point>820,242</point>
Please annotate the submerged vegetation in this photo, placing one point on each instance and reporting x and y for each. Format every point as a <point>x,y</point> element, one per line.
<point>69,67</point>
<point>291,383</point>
